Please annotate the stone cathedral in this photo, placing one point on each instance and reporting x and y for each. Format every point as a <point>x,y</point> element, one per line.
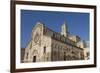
<point>47,45</point>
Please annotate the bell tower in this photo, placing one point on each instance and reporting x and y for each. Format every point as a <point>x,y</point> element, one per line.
<point>64,29</point>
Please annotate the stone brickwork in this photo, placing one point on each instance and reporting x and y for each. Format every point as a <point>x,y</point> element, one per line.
<point>48,45</point>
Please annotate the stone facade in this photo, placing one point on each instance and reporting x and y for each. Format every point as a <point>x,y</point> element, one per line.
<point>48,45</point>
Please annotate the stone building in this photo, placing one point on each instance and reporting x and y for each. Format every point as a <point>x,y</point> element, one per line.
<point>22,54</point>
<point>48,45</point>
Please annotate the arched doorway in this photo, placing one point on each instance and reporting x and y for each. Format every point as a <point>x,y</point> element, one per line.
<point>35,56</point>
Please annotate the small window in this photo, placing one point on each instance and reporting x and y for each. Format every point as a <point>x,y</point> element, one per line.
<point>64,56</point>
<point>27,56</point>
<point>53,35</point>
<point>44,49</point>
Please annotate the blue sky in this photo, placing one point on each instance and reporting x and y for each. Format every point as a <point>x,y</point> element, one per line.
<point>78,23</point>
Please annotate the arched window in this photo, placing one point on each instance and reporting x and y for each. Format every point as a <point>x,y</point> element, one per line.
<point>44,49</point>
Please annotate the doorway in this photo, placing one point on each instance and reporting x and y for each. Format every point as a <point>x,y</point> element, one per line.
<point>34,58</point>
